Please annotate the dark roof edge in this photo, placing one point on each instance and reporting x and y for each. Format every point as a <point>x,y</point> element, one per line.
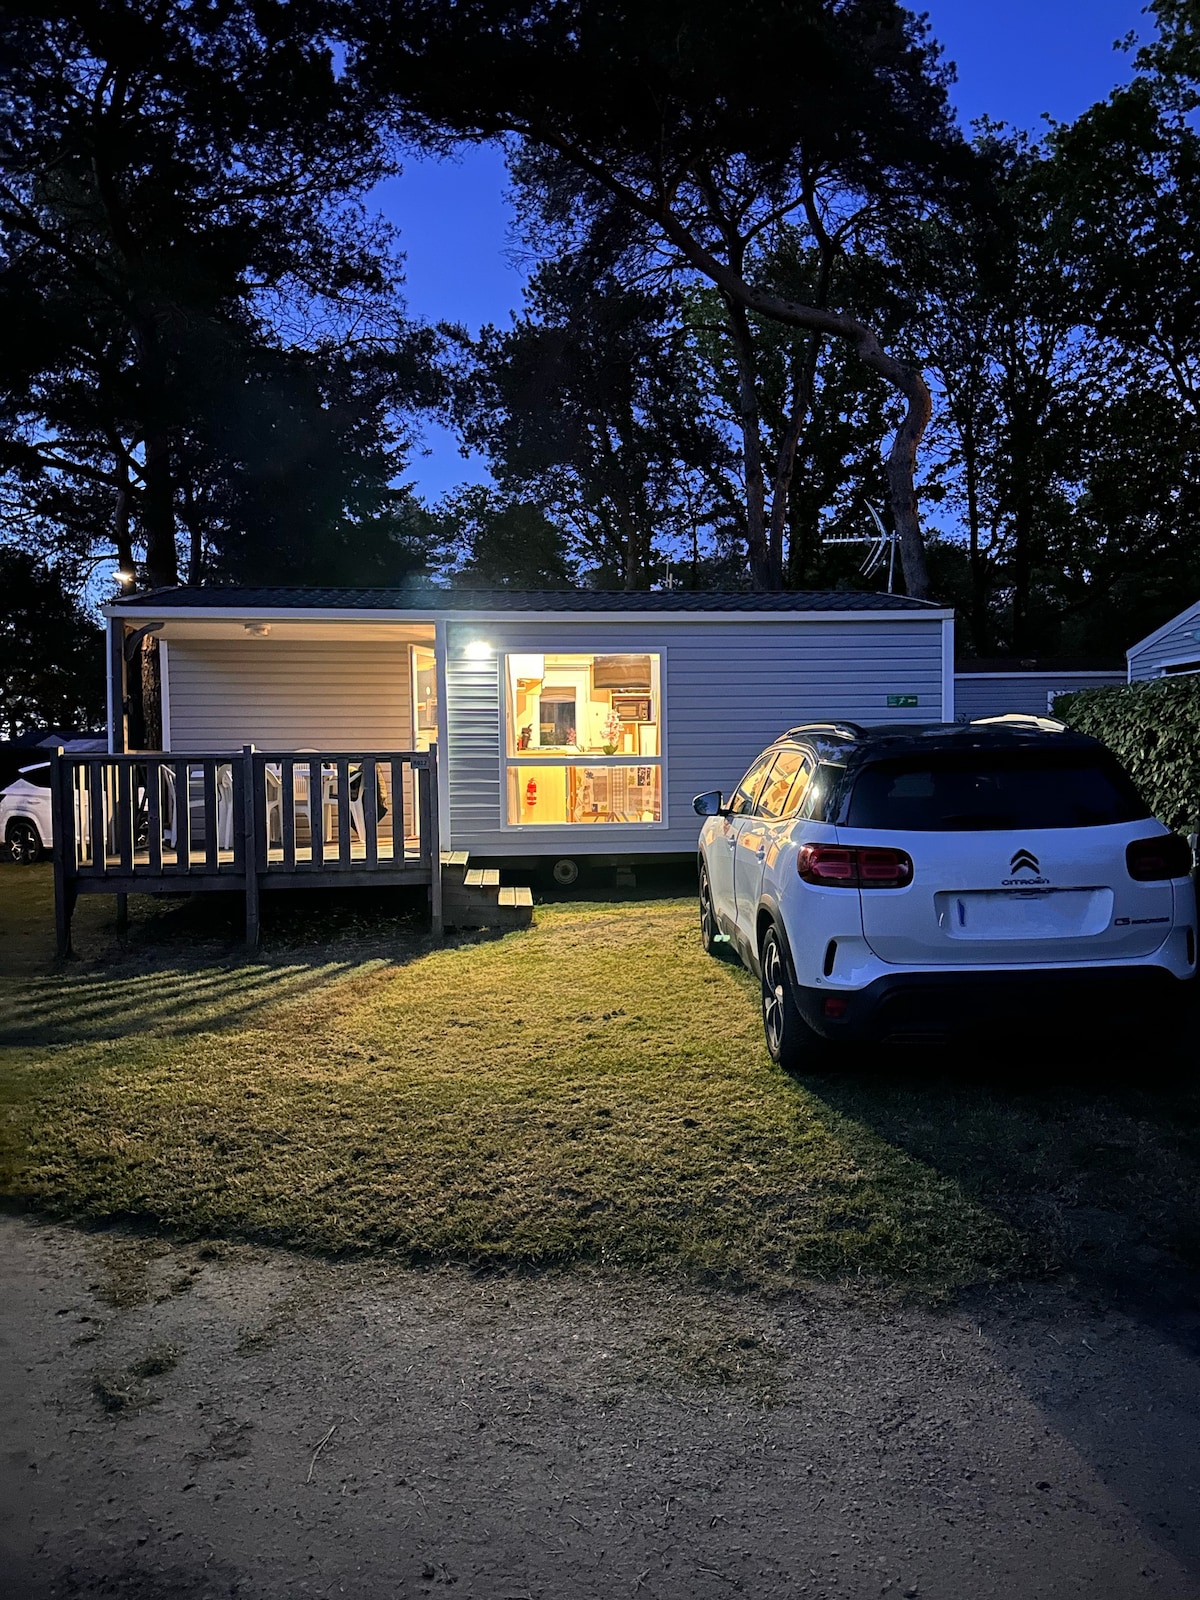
<point>514,602</point>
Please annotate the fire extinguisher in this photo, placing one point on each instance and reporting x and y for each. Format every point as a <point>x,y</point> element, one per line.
<point>531,794</point>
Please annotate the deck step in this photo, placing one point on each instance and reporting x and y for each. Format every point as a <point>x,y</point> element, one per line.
<point>482,878</point>
<point>473,897</point>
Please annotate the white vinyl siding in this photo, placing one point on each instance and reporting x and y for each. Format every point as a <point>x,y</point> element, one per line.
<point>1178,644</point>
<point>473,722</point>
<point>728,689</point>
<point>289,695</point>
<point>998,694</point>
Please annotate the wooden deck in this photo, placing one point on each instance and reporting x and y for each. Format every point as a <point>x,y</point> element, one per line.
<point>150,823</point>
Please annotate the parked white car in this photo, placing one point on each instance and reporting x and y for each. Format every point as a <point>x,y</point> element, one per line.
<point>25,824</point>
<point>901,882</point>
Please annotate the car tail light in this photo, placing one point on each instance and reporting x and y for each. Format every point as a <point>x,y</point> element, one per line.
<point>831,864</point>
<point>839,866</point>
<point>884,869</point>
<point>1151,860</point>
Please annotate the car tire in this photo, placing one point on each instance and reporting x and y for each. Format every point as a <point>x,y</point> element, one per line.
<point>791,1043</point>
<point>714,943</point>
<point>23,842</point>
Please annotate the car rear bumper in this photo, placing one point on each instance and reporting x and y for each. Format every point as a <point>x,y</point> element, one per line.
<point>923,1005</point>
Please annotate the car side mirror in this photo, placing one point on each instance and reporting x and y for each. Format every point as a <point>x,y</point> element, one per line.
<point>708,805</point>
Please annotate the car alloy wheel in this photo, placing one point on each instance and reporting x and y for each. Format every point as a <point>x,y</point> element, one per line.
<point>790,1041</point>
<point>710,932</point>
<point>24,843</point>
<point>774,994</point>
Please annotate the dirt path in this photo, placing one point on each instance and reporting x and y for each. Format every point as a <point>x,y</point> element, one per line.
<point>190,1422</point>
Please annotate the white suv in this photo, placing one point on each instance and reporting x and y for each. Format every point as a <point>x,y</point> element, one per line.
<point>25,824</point>
<point>901,882</point>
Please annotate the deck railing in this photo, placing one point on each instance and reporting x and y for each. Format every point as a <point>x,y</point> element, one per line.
<point>162,823</point>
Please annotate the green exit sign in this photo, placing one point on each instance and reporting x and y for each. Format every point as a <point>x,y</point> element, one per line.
<point>903,700</point>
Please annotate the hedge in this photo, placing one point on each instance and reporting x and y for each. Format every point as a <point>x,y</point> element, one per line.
<point>1154,730</point>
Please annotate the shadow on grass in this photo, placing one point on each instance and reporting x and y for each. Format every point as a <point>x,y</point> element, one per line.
<point>1091,1149</point>
<point>182,967</point>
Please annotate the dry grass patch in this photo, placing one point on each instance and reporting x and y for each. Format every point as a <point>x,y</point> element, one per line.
<point>593,1089</point>
<point>590,1090</point>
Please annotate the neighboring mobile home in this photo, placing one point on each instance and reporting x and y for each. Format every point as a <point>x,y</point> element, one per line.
<point>568,724</point>
<point>1169,651</point>
<point>999,687</point>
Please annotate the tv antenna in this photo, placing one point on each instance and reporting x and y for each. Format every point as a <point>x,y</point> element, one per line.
<point>882,543</point>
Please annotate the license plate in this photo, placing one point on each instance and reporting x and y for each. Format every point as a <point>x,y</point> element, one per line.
<point>1024,913</point>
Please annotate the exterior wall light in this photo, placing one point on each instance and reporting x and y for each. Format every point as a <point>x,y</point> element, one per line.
<point>478,650</point>
<point>257,630</point>
<point>124,577</point>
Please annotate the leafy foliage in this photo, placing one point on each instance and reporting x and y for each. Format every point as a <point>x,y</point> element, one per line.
<point>592,408</point>
<point>656,127</point>
<point>1154,729</point>
<point>485,539</point>
<point>51,651</point>
<point>205,346</point>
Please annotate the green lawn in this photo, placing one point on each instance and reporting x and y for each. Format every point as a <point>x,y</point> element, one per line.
<point>592,1089</point>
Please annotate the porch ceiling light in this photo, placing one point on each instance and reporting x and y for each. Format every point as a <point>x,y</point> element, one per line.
<point>478,650</point>
<point>257,630</point>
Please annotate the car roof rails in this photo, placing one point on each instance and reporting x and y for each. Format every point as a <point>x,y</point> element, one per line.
<point>839,730</point>
<point>1021,719</point>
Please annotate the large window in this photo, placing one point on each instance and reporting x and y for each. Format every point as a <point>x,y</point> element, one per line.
<point>583,739</point>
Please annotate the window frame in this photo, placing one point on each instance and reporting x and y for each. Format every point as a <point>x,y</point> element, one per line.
<point>789,813</point>
<point>579,758</point>
<point>766,761</point>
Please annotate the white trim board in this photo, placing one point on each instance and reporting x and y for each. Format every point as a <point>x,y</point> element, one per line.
<point>109,686</point>
<point>1188,614</point>
<point>164,689</point>
<point>948,674</point>
<point>1183,660</point>
<point>1033,672</point>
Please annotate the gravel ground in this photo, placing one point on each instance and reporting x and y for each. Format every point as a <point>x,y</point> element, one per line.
<point>212,1421</point>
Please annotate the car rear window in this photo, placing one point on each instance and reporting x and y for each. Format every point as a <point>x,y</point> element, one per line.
<point>978,790</point>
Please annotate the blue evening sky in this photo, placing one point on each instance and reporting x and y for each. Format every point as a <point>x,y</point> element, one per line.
<point>1016,60</point>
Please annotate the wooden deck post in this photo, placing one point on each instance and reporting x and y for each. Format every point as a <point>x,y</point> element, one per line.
<point>432,820</point>
<point>431,840</point>
<point>64,887</point>
<point>250,848</point>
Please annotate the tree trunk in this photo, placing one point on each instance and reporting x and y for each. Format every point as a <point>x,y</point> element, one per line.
<point>901,476</point>
<point>980,630</point>
<point>158,514</point>
<point>144,700</point>
<point>195,572</point>
<point>158,499</point>
<point>785,464</point>
<point>121,538</point>
<point>151,678</point>
<point>764,574</point>
<point>1021,570</point>
<point>907,381</point>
